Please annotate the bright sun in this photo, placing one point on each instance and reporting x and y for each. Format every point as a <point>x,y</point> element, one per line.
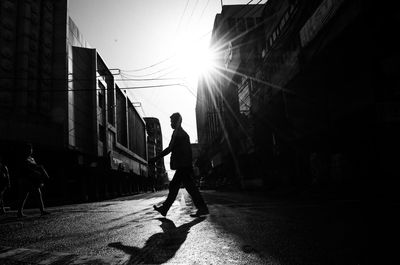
<point>194,58</point>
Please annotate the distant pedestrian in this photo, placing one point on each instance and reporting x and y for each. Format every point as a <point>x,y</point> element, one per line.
<point>4,183</point>
<point>33,177</point>
<point>181,161</point>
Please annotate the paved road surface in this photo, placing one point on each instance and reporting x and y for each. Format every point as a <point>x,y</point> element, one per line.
<point>241,229</point>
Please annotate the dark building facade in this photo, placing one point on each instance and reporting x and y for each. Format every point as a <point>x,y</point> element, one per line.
<point>157,175</point>
<point>221,107</point>
<point>320,108</point>
<point>57,93</point>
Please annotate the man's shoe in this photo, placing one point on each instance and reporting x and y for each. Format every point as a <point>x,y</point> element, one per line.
<point>161,210</point>
<point>200,212</point>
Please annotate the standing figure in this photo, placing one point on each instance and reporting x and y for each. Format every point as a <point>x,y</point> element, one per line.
<point>4,183</point>
<point>33,177</point>
<point>181,161</point>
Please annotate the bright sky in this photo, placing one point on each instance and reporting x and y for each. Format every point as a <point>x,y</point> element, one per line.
<point>133,34</point>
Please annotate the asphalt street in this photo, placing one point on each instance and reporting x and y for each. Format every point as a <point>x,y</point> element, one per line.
<point>242,228</point>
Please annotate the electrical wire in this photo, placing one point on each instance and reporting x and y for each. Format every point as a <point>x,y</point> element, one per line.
<point>204,9</point>
<point>122,73</point>
<point>180,20</point>
<point>191,15</point>
<point>196,40</point>
<point>96,89</point>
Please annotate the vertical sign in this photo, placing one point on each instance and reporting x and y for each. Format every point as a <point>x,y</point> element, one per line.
<point>320,17</point>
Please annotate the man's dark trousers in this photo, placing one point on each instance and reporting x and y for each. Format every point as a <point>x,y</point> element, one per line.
<point>183,175</point>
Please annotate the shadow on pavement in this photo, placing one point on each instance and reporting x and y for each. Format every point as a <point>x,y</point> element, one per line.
<point>297,233</point>
<point>160,247</point>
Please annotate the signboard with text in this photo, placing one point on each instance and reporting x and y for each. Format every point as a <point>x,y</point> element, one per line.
<point>321,16</point>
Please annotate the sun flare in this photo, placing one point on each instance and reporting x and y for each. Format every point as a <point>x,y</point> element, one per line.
<point>194,58</point>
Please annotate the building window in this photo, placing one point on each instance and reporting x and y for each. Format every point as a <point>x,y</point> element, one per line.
<point>287,16</point>
<point>101,133</point>
<point>101,100</point>
<point>244,97</point>
<point>101,94</point>
<point>282,24</point>
<point>110,103</point>
<point>291,8</point>
<point>122,136</point>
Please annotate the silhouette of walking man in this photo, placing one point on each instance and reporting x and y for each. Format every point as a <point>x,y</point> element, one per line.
<point>181,161</point>
<point>33,179</point>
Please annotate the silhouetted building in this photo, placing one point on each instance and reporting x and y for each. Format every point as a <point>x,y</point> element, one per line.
<point>312,86</point>
<point>57,93</point>
<point>195,157</point>
<point>157,173</point>
<point>221,109</point>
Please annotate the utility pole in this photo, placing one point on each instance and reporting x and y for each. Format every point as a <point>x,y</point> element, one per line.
<point>221,4</point>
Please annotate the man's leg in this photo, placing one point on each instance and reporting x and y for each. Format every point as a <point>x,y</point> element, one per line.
<point>41,204</point>
<point>40,199</point>
<point>174,186</point>
<point>22,204</point>
<point>193,191</point>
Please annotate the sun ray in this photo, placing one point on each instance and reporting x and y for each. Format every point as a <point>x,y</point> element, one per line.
<point>222,123</point>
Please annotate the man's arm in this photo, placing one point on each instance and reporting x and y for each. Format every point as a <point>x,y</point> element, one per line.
<point>164,152</point>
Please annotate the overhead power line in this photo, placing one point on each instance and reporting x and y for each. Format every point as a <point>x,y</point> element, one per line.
<point>124,78</point>
<point>88,89</point>
<point>202,36</point>
<point>191,15</point>
<point>180,20</point>
<point>204,9</point>
<point>148,74</point>
<point>150,66</point>
<point>135,87</point>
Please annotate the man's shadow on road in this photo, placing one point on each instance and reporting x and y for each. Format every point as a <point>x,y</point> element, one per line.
<point>160,247</point>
